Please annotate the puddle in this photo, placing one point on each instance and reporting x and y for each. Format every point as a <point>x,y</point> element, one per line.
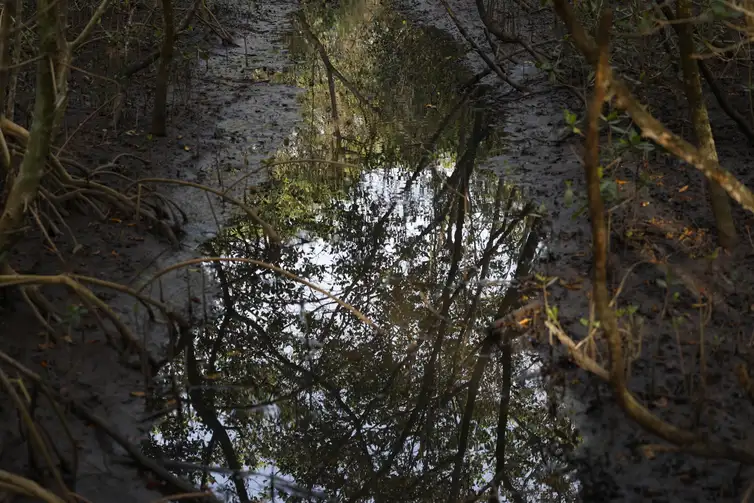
<point>372,391</point>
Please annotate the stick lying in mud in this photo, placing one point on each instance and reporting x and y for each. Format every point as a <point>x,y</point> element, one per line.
<point>698,444</point>
<point>20,485</point>
<point>177,484</point>
<point>650,127</point>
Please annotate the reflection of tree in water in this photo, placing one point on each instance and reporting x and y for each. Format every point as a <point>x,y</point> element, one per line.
<point>287,382</point>
<point>411,76</point>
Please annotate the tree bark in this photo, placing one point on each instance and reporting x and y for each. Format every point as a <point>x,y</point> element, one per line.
<point>726,229</point>
<point>65,54</point>
<point>650,127</point>
<point>159,114</point>
<point>26,184</point>
<point>10,100</point>
<point>6,25</point>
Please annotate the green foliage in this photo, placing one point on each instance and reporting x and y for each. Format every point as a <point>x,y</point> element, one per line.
<point>571,120</point>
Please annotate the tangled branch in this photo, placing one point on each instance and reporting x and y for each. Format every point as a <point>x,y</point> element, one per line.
<point>698,444</point>
<point>650,127</point>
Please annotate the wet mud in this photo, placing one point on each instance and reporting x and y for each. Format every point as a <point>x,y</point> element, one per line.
<point>352,362</point>
<point>226,116</point>
<point>665,220</point>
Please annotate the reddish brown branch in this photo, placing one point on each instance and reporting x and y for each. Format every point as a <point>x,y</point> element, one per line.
<point>713,448</point>
<point>650,127</point>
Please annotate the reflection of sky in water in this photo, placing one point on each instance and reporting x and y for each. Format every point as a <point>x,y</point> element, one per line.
<point>368,199</point>
<point>416,211</point>
<point>385,187</point>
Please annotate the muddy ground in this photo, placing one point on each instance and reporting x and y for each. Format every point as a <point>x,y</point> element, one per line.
<point>223,121</point>
<point>620,462</point>
<point>231,116</point>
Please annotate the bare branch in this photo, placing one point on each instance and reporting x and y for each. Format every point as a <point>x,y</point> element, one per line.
<point>93,21</point>
<point>494,66</point>
<point>650,127</point>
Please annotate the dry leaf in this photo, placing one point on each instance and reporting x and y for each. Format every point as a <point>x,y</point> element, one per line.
<point>684,188</point>
<point>574,285</point>
<point>661,402</point>
<point>648,451</point>
<point>138,393</point>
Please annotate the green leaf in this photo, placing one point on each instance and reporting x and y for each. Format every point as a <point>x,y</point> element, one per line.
<point>568,196</point>
<point>570,117</point>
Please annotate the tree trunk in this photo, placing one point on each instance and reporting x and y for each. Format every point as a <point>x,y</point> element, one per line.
<point>10,100</point>
<point>159,114</point>
<point>63,62</point>
<point>726,229</point>
<point>6,25</point>
<point>26,184</point>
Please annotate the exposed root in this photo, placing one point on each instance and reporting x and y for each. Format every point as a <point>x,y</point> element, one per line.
<point>248,210</point>
<point>34,300</point>
<point>60,187</point>
<point>40,306</point>
<point>20,485</point>
<point>23,486</point>
<point>38,443</point>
